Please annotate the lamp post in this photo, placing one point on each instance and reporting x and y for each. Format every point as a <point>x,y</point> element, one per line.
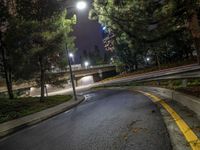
<point>71,74</point>
<point>80,6</point>
<point>86,64</point>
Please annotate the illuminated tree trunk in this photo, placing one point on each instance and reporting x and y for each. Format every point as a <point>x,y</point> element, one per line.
<point>7,72</point>
<point>42,79</point>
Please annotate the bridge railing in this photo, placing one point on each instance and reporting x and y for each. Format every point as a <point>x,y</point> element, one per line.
<point>77,68</point>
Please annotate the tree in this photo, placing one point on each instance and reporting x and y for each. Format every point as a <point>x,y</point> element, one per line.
<point>49,36</point>
<point>146,22</point>
<point>42,33</point>
<point>5,67</point>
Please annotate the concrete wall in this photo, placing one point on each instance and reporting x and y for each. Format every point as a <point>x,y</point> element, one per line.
<point>85,80</point>
<point>193,103</point>
<point>89,79</point>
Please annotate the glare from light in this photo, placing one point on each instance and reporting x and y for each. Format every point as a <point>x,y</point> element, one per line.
<point>81,5</point>
<point>111,59</point>
<point>87,80</point>
<point>104,28</point>
<point>86,64</point>
<point>148,59</point>
<point>32,89</point>
<point>47,85</point>
<point>71,55</point>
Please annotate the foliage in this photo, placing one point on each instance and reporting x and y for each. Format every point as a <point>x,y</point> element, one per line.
<point>41,33</point>
<point>93,56</point>
<point>142,27</point>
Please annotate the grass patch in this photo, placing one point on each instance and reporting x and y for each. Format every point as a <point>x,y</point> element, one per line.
<point>19,107</point>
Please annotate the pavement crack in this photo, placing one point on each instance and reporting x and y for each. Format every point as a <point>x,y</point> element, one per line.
<point>132,123</point>
<point>136,130</point>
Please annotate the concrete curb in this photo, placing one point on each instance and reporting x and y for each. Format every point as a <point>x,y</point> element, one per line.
<point>12,126</point>
<point>177,139</point>
<point>192,103</point>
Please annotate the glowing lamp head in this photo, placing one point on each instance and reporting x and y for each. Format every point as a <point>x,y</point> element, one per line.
<point>86,64</point>
<point>148,59</point>
<point>81,5</point>
<point>104,28</point>
<point>71,55</point>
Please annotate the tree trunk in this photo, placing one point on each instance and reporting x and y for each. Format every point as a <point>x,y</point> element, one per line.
<point>11,95</point>
<point>7,72</point>
<point>42,79</point>
<point>197,44</point>
<point>135,62</point>
<point>195,31</point>
<point>157,61</point>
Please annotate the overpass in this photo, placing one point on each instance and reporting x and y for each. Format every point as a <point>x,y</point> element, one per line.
<point>83,76</point>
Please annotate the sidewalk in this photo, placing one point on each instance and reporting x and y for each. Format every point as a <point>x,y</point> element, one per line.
<point>17,124</point>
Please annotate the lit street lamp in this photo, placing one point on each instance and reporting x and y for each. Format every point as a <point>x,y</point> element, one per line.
<point>86,64</point>
<point>71,74</point>
<point>80,6</point>
<point>148,60</point>
<point>71,55</point>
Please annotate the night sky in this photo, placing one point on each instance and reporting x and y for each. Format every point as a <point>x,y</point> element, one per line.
<point>88,33</point>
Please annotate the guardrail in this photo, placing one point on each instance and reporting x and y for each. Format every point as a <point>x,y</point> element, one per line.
<point>184,75</point>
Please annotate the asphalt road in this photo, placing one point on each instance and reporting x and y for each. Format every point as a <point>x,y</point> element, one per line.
<point>107,120</point>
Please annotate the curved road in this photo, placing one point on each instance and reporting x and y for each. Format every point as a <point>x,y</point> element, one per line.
<point>107,120</point>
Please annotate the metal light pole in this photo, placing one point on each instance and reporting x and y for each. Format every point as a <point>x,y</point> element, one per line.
<point>71,74</point>
<point>81,5</point>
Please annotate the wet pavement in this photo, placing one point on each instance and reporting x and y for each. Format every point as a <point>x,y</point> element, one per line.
<point>107,120</point>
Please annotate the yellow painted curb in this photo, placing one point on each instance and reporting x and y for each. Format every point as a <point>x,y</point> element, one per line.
<point>190,136</point>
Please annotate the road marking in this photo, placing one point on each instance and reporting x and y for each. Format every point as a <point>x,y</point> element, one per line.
<point>190,136</point>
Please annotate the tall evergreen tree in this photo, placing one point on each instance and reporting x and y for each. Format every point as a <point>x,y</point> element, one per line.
<point>41,35</point>
<point>5,68</point>
<point>147,21</point>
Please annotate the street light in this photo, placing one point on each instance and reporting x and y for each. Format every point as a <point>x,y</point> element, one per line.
<point>71,55</point>
<point>86,64</point>
<point>71,73</point>
<point>81,5</point>
<point>148,59</point>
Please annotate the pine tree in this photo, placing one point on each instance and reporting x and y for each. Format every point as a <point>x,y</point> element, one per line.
<point>142,22</point>
<point>41,35</point>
